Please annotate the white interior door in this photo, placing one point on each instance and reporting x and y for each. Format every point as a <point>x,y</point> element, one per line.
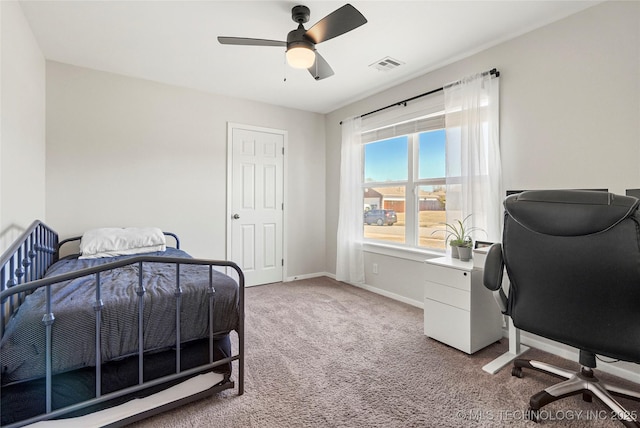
<point>256,202</point>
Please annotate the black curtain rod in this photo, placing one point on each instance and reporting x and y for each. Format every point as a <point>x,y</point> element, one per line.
<point>493,72</point>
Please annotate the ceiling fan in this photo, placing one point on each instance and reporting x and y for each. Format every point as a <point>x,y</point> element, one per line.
<point>301,44</point>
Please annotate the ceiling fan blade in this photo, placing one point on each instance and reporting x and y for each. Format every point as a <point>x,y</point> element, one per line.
<point>249,42</point>
<point>335,24</point>
<point>320,68</point>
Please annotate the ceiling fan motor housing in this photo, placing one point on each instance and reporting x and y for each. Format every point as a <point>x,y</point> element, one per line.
<point>300,14</point>
<point>296,38</point>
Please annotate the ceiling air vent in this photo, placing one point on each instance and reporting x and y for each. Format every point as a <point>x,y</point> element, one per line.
<point>386,64</point>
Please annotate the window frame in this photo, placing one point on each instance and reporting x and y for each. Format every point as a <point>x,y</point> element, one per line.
<point>412,186</point>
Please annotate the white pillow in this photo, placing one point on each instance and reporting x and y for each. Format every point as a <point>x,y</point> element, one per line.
<point>113,241</point>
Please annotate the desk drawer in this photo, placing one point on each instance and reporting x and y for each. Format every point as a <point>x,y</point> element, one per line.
<point>452,277</point>
<point>447,325</point>
<point>448,295</point>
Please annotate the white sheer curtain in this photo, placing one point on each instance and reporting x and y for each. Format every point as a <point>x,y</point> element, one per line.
<point>349,263</point>
<point>474,177</point>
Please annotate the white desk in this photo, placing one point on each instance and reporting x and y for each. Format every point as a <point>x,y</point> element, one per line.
<point>458,309</point>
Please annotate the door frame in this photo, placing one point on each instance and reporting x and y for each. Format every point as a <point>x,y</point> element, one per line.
<point>230,127</point>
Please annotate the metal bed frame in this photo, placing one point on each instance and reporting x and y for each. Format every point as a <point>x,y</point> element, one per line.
<point>22,268</point>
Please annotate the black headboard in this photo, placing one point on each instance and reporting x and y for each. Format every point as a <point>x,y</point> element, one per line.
<point>27,259</point>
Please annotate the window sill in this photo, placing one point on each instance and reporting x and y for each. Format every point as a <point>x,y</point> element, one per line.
<point>401,252</point>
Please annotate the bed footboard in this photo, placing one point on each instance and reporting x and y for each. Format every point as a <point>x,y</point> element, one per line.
<point>22,270</point>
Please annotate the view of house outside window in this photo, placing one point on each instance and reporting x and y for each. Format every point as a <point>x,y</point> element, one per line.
<point>404,190</point>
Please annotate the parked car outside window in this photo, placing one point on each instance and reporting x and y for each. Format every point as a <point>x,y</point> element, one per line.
<point>380,217</point>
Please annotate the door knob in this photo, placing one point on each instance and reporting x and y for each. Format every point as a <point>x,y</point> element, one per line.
<point>236,216</point>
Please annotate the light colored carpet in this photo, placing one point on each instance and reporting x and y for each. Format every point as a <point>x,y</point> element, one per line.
<point>321,353</point>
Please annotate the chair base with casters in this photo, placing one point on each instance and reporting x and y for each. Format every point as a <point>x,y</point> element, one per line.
<point>583,382</point>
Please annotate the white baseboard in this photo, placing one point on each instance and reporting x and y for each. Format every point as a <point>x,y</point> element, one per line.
<point>390,295</point>
<point>376,290</point>
<point>308,276</point>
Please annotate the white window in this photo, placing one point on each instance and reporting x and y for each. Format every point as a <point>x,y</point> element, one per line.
<point>404,189</point>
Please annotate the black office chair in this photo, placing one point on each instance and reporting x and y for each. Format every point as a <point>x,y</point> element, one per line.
<point>573,262</point>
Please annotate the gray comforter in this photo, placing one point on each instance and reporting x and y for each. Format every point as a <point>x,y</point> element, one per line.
<point>22,352</point>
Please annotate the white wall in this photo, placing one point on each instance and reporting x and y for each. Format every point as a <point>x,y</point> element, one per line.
<point>129,152</point>
<point>22,127</point>
<point>570,110</point>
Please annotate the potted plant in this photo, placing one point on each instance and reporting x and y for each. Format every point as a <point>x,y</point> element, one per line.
<point>458,235</point>
<point>464,250</point>
<point>455,244</point>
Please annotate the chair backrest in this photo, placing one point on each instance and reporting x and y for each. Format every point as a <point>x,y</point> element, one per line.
<point>573,260</point>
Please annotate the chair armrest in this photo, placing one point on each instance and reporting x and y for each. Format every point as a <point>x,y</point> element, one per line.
<point>492,276</point>
<point>493,268</point>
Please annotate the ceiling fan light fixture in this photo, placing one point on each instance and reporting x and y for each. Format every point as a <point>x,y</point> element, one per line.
<point>300,57</point>
<point>301,43</point>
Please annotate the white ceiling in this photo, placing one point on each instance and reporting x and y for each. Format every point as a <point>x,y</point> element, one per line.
<point>175,42</point>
